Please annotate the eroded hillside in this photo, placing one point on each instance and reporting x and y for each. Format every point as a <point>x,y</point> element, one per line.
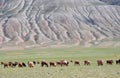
<point>57,22</point>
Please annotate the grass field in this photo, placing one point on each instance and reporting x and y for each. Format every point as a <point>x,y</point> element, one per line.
<point>56,54</point>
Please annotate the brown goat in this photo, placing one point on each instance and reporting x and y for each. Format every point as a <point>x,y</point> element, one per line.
<point>86,62</point>
<point>99,62</point>
<point>52,64</point>
<point>76,63</point>
<point>31,64</point>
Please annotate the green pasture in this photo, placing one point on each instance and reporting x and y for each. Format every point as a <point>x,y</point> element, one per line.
<point>55,54</point>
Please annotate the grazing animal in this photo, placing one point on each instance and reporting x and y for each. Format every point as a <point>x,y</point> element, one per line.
<point>31,64</point>
<point>76,63</point>
<point>52,64</point>
<point>63,63</point>
<point>10,64</point>
<point>43,63</point>
<point>110,62</point>
<point>86,62</point>
<point>24,65</point>
<point>20,65</point>
<point>2,63</point>
<point>14,64</point>
<point>5,64</point>
<point>58,63</point>
<point>34,62</point>
<point>99,62</point>
<point>118,61</point>
<point>38,62</point>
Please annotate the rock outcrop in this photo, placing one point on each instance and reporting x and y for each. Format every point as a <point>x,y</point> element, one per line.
<point>112,2</point>
<point>57,22</point>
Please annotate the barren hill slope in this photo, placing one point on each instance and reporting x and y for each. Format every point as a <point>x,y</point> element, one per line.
<point>57,22</point>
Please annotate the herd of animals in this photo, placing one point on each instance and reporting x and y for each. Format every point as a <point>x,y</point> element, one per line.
<point>54,64</point>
